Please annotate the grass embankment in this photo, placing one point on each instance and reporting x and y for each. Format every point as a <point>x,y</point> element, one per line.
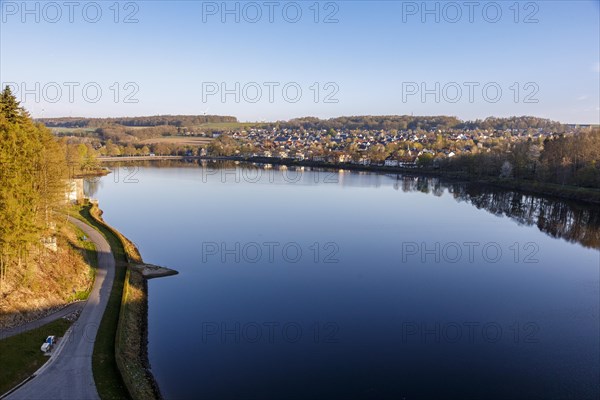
<point>109,382</point>
<point>123,371</point>
<point>91,257</point>
<point>132,339</point>
<point>20,355</point>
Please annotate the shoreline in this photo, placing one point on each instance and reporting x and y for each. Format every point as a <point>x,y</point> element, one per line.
<point>573,193</point>
<point>562,192</point>
<point>132,329</point>
<point>93,173</point>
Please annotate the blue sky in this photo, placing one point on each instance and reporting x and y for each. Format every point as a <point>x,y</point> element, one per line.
<point>358,58</point>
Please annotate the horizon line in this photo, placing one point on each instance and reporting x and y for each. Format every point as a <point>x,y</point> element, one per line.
<point>322,119</point>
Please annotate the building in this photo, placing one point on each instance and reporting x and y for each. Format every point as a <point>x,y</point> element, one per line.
<point>74,190</point>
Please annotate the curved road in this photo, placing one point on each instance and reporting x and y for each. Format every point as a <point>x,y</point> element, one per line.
<point>69,309</point>
<point>68,374</point>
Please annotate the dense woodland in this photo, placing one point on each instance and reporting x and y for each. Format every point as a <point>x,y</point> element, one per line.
<point>33,173</point>
<point>565,160</point>
<point>158,120</point>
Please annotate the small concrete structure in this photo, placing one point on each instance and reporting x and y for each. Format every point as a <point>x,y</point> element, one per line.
<point>74,191</point>
<point>50,243</point>
<point>150,271</point>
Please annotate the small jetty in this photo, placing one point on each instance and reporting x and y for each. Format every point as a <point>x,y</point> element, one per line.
<point>150,271</point>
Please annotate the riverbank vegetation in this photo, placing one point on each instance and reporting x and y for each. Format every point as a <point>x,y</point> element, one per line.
<point>572,160</point>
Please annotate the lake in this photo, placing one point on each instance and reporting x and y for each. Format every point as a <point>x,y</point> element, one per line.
<point>313,284</point>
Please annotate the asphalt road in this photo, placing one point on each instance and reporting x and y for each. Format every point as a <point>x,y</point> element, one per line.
<point>68,374</point>
<point>71,308</point>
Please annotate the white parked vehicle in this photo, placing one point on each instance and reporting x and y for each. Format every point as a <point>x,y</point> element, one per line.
<point>48,344</point>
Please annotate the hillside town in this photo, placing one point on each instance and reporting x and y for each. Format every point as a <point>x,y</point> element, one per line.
<point>366,147</point>
<point>530,148</point>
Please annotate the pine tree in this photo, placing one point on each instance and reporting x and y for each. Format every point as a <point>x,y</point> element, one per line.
<point>10,107</point>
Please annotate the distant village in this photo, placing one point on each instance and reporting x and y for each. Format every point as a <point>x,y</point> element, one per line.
<point>405,148</point>
<point>516,147</point>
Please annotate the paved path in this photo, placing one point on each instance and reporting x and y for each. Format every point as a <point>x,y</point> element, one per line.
<point>68,374</point>
<point>71,308</point>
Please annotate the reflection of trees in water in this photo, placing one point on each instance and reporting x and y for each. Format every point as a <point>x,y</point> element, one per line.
<point>557,218</point>
<point>574,224</point>
<point>560,219</point>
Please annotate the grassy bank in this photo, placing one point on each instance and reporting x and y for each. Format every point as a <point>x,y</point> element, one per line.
<point>132,339</point>
<point>20,355</point>
<point>91,257</point>
<point>109,382</point>
<point>120,361</point>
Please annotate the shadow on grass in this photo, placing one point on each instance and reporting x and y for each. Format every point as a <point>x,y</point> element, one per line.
<point>20,355</point>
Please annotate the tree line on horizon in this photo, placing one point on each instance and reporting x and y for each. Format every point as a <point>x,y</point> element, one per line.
<point>426,123</point>
<point>365,122</point>
<point>156,120</point>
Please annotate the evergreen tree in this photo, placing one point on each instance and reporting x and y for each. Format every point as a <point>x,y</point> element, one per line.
<point>10,107</point>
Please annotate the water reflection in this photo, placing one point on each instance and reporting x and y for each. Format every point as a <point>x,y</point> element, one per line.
<point>376,294</point>
<point>572,221</point>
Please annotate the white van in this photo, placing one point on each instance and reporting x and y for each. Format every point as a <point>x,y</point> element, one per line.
<point>48,344</point>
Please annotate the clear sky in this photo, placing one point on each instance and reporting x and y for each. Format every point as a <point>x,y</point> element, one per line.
<point>270,60</point>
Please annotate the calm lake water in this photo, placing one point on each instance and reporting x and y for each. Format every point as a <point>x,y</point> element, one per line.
<point>320,285</point>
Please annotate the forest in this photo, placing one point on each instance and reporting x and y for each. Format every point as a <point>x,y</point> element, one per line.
<point>158,120</point>
<point>565,160</point>
<point>34,170</point>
